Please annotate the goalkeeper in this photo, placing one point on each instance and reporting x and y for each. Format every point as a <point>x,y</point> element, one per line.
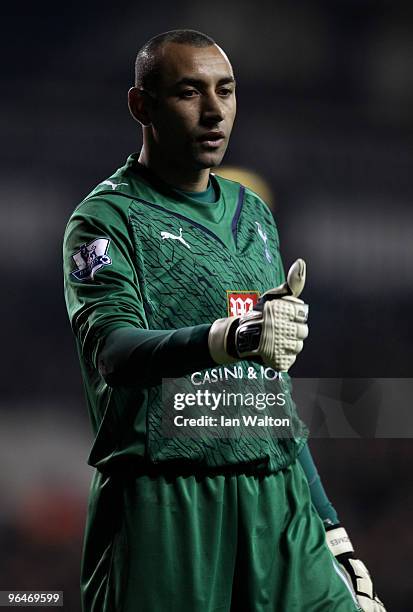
<point>171,270</point>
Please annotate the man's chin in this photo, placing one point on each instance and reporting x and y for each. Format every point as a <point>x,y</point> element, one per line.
<point>209,159</point>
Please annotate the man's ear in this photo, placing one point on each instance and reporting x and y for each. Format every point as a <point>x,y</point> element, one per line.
<point>139,105</point>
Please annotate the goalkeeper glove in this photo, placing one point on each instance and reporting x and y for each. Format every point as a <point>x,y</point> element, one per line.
<point>355,570</point>
<point>274,330</point>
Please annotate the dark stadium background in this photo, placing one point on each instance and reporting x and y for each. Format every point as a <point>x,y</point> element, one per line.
<point>325,93</point>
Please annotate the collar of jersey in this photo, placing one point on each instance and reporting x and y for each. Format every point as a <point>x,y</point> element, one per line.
<point>153,183</point>
<point>218,218</point>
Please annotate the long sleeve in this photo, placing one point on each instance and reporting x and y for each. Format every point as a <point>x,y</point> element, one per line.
<point>319,497</point>
<point>139,356</point>
<point>106,308</point>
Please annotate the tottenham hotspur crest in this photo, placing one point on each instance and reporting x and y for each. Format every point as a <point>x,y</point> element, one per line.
<point>264,238</point>
<point>90,258</point>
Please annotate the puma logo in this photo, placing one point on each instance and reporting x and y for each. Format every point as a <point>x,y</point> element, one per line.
<point>169,236</point>
<point>113,185</point>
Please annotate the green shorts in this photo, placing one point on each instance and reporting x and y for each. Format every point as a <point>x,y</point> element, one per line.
<point>224,543</point>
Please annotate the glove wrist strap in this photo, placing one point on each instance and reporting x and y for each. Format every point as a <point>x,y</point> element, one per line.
<point>338,541</point>
<point>220,340</point>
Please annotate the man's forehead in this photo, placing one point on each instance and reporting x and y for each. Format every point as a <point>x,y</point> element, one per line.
<point>179,61</point>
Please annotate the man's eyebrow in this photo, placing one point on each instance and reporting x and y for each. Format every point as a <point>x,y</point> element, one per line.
<point>200,83</point>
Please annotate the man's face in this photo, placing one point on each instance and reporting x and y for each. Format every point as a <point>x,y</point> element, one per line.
<point>194,107</point>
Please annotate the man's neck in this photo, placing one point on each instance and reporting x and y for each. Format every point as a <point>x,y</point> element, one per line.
<point>173,175</point>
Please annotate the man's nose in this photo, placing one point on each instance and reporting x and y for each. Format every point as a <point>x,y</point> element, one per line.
<point>212,109</point>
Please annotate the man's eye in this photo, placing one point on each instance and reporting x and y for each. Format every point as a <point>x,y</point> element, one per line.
<point>225,92</point>
<point>188,93</point>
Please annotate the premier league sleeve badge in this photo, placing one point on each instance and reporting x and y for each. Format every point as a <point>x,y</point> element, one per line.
<point>90,258</point>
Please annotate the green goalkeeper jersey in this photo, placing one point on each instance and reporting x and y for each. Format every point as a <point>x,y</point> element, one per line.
<point>140,257</point>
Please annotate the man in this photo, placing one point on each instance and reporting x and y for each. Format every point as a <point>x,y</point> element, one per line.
<point>165,270</point>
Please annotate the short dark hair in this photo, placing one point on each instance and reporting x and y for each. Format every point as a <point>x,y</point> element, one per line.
<point>147,64</point>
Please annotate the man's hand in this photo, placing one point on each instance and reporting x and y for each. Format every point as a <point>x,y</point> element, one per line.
<point>274,330</point>
<point>357,573</point>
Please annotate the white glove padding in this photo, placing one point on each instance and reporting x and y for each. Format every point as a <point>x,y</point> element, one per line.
<point>273,331</point>
<point>283,329</point>
<point>357,573</point>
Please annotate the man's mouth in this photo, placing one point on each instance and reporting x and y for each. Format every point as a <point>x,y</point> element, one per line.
<point>212,139</point>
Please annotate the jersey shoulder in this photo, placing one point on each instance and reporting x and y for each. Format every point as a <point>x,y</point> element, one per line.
<point>250,197</point>
<point>112,198</point>
<point>252,204</point>
<point>259,204</point>
<point>228,187</point>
